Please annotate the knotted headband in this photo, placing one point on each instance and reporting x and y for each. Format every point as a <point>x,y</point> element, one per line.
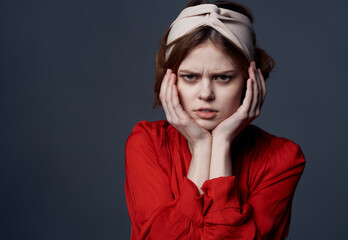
<point>233,25</point>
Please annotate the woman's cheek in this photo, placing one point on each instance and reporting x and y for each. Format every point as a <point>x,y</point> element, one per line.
<point>181,99</point>
<point>234,103</point>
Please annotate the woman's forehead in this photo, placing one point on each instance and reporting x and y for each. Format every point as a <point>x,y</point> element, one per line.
<point>207,55</point>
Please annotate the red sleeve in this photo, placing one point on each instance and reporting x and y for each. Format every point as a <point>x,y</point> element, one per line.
<point>266,214</point>
<point>153,211</point>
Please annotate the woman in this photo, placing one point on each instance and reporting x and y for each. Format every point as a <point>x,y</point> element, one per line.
<point>205,173</point>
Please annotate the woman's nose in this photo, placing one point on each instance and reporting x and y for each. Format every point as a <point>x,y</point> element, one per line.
<point>206,91</point>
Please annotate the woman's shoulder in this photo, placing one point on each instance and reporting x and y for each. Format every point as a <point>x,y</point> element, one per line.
<point>269,141</point>
<point>152,129</point>
<point>147,141</point>
<point>160,124</point>
<point>149,133</point>
<point>274,150</point>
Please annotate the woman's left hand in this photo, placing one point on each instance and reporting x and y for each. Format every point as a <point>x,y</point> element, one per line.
<point>248,111</point>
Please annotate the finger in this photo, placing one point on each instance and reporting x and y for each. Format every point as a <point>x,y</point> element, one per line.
<point>164,85</point>
<point>257,109</point>
<point>246,105</point>
<point>169,99</point>
<point>163,93</point>
<point>263,86</point>
<point>255,91</point>
<point>259,87</point>
<point>259,102</point>
<point>180,112</point>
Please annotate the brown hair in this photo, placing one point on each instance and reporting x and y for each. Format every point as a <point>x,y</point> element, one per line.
<point>183,46</point>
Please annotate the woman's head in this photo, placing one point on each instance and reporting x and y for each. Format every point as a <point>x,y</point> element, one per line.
<point>182,47</point>
<point>210,85</point>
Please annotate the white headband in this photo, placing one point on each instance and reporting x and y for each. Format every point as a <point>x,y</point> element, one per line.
<point>233,25</point>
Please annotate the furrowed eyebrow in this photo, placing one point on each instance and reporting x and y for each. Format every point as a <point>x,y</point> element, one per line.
<point>188,71</point>
<point>213,74</point>
<point>225,72</point>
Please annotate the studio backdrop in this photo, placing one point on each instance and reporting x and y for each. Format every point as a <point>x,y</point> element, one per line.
<point>76,76</point>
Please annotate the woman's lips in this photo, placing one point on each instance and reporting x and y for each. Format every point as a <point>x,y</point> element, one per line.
<point>206,113</point>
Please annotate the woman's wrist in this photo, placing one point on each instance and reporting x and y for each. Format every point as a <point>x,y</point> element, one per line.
<point>204,145</point>
<point>222,139</point>
<point>200,164</point>
<point>221,162</point>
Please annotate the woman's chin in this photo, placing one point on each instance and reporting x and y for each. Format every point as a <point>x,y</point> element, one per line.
<point>208,125</point>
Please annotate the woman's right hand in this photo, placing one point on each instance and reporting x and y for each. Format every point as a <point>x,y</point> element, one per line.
<point>198,138</point>
<point>177,116</point>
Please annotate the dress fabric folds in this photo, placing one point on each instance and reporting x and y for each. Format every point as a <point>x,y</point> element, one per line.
<point>254,203</point>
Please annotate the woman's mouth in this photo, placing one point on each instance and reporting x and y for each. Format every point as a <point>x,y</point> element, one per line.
<point>206,113</point>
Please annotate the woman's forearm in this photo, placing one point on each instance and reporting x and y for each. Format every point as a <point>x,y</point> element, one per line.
<point>200,163</point>
<point>221,164</point>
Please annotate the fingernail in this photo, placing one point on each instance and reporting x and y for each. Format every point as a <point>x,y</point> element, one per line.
<point>167,71</point>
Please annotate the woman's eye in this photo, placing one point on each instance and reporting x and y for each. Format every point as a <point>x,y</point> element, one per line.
<point>223,78</point>
<point>189,77</point>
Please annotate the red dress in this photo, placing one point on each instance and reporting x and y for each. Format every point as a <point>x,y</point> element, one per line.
<point>254,203</point>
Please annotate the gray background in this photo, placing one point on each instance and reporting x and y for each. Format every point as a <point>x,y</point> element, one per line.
<point>75,77</point>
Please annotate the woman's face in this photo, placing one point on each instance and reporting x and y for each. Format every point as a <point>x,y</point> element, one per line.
<point>210,85</point>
